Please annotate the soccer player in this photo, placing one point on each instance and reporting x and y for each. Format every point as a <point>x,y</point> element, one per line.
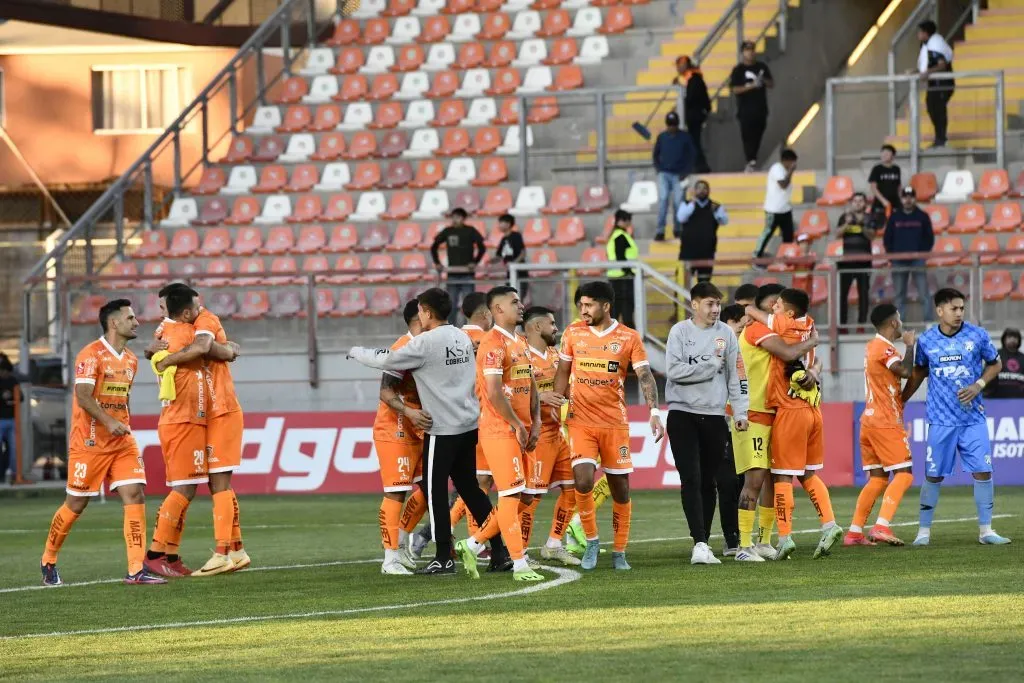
<point>509,428</point>
<point>797,439</point>
<point>597,357</point>
<point>958,359</point>
<point>102,448</point>
<point>751,448</point>
<point>549,464</point>
<point>398,440</point>
<point>186,404</point>
<point>883,438</point>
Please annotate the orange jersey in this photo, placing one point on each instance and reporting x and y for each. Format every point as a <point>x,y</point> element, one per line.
<point>111,376</point>
<point>222,386</point>
<point>475,332</point>
<point>505,355</point>
<point>192,402</point>
<point>389,425</point>
<point>791,331</point>
<point>597,395</point>
<point>883,406</point>
<point>545,365</point>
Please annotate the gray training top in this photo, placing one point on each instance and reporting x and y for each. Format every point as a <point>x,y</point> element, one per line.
<point>443,367</point>
<point>704,369</point>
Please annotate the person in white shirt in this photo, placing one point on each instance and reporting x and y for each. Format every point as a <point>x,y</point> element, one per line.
<point>778,202</point>
<point>936,56</point>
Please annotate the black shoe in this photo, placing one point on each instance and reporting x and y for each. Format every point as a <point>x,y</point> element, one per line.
<point>438,567</point>
<point>501,561</point>
<point>660,237</point>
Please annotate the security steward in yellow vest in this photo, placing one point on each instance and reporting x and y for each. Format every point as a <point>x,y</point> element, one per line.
<point>622,247</point>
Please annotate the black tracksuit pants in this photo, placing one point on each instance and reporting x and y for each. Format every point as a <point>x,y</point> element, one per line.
<point>698,445</point>
<point>729,485</point>
<point>452,457</point>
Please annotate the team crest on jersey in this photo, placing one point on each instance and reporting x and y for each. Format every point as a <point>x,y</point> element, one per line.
<point>623,451</point>
<point>129,374</point>
<point>720,344</point>
<point>969,346</point>
<point>615,347</point>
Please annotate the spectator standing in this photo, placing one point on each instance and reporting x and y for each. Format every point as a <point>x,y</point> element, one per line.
<point>936,56</point>
<point>1010,381</point>
<point>909,229</point>
<point>749,82</point>
<point>885,181</point>
<point>700,220</point>
<point>673,160</point>
<point>778,202</point>
<point>8,386</point>
<point>696,106</point>
<point>511,249</point>
<point>622,247</point>
<point>857,229</point>
<point>466,248</point>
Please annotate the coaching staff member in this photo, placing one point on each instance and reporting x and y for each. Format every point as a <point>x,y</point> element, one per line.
<point>443,367</point>
<point>704,372</point>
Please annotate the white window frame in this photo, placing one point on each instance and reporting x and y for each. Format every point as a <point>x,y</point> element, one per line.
<point>182,74</point>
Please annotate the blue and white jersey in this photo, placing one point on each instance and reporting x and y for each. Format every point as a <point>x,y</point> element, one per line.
<point>954,362</point>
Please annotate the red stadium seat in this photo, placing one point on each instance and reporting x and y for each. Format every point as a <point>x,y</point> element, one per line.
<point>86,309</point>
<point>365,177</point>
<point>595,199</point>
<point>556,23</point>
<point>486,141</point>
<point>593,255</point>
<point>407,237</point>
<point>495,26</point>
<point>1014,244</point>
<point>343,238</point>
<point>311,240</point>
<point>250,272</point>
<point>399,8</point>
<point>786,251</point>
<point>292,91</point>
<point>410,58</point>
<point>247,242</point>
<point>616,20</point>
<point>283,272</point>
<point>563,51</point>
<point>383,302</point>
<point>925,185</point>
<point>327,118</point>
<point>609,224</point>
<point>211,181</point>
<point>296,119</point>
<point>944,245</point>
<point>467,200</point>
<point>223,304</point>
<point>218,273</point>
<point>498,201</point>
<point>970,218</point>
<point>491,172</point>
<point>304,177</point>
<point>216,242</point>
<point>505,82</point>
<point>375,31</point>
<point>455,142</point>
<point>570,231</point>
<point>154,244</point>
<point>269,149</point>
<point>457,7</point>
<point>435,29</point>
<point>339,207</point>
<point>185,242</point>
<point>393,144</point>
<point>330,148</point>
<point>471,56</point>
<point>994,184</point>
<point>351,303</point>
<point>838,191</point>
<point>255,305</point>
<point>397,175</point>
<point>449,113</point>
<point>280,240</point>
<point>378,269</point>
<point>348,268</point>
<point>988,246</point>
<point>428,174</point>
<point>563,200</point>
<point>502,54</point>
<point>432,232</point>
<point>444,85</point>
<point>484,6</point>
<point>412,268</point>
<point>494,238</point>
<point>285,304</point>
<point>363,145</point>
<point>1018,187</point>
<point>1006,217</point>
<point>814,224</point>
<point>272,179</point>
<point>508,112</point>
<point>239,152</point>
<point>353,89</point>
<point>402,205</point>
<point>542,110</point>
<point>324,304</point>
<point>387,116</point>
<point>375,238</point>
<point>307,209</point>
<point>996,285</point>
<point>345,33</point>
<point>536,232</point>
<point>127,270</point>
<point>568,77</point>
<point>541,257</point>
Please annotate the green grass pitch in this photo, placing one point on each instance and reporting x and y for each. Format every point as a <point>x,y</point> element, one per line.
<point>314,605</point>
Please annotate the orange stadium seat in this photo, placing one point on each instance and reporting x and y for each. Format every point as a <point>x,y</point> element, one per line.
<point>819,290</point>
<point>501,55</point>
<point>541,257</point>
<point>348,269</point>
<point>495,26</point>
<point>343,238</point>
<point>283,272</point>
<point>1018,187</point>
<point>365,177</point>
<point>218,273</point>
<point>996,285</point>
<point>609,224</point>
<point>536,232</point>
<point>505,82</point>
<point>994,184</point>
<point>617,20</point>
<point>435,29</point>
<point>563,200</point>
<point>216,242</point>
<point>556,23</point>
<point>304,177</point>
<point>567,78</point>
<point>211,181</point>
<point>240,151</point>
<point>375,32</point>
<point>154,244</point>
<point>429,173</point>
<point>945,245</point>
<point>455,142</point>
<point>570,231</point>
<point>412,267</point>
<point>467,200</point>
<point>939,215</point>
<point>1014,244</point>
<point>593,255</point>
<point>485,6</point>
<point>814,224</point>
<point>457,7</point>
<point>402,206</point>
<point>410,58</point>
<point>508,112</point>
<point>363,145</point>
<point>497,202</point>
<point>307,209</point>
<point>838,191</point>
<point>327,118</point>
<point>126,270</point>
<point>1006,217</point>
<point>396,176</point>
<point>247,242</point>
<point>563,51</point>
<point>255,305</point>
<point>486,141</point>
<point>331,147</point>
<point>324,304</point>
<point>988,246</point>
<point>431,232</point>
<point>969,218</point>
<point>398,8</point>
<point>383,302</point>
<point>378,269</point>
<point>444,85</point>
<point>296,119</point>
<point>311,240</point>
<point>834,249</point>
<point>449,113</point>
<point>280,240</point>
<point>384,87</point>
<point>494,238</point>
<point>471,56</point>
<point>375,238</point>
<point>243,211</point>
<point>353,89</point>
<point>345,33</point>
<point>214,212</point>
<point>292,91</point>
<point>388,115</point>
<point>285,304</point>
<point>925,185</point>
<point>541,5</point>
<point>272,179</point>
<point>150,311</point>
<point>407,237</point>
<point>542,110</point>
<point>269,149</point>
<point>351,303</point>
<point>339,207</point>
<point>786,251</point>
<point>491,172</point>
<point>184,243</point>
<point>86,309</point>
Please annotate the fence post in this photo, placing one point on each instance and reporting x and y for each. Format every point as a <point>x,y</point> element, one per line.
<point>311,316</point>
<point>783,20</point>
<point>311,24</point>
<point>739,30</point>
<point>830,128</point>
<point>119,224</point>
<point>1000,118</point>
<point>639,301</point>
<point>524,177</point>
<point>261,77</point>
<point>891,59</point>
<point>204,115</point>
<point>233,101</point>
<point>286,46</point>
<point>602,140</point>
<point>915,128</point>
<point>147,194</point>
<point>176,140</point>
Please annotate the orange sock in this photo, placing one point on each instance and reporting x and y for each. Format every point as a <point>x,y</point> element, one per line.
<point>135,535</point>
<point>564,506</point>
<point>488,530</point>
<point>223,513</point>
<point>622,514</point>
<point>526,513</point>
<point>457,512</point>
<point>236,530</point>
<point>866,501</point>
<point>508,523</point>
<point>893,495</point>
<point>784,507</point>
<point>60,525</point>
<point>588,514</point>
<point>170,523</point>
<point>822,502</point>
<point>415,507</point>
<point>390,511</point>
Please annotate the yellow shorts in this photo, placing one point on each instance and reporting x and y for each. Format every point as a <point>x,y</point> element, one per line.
<point>751,449</point>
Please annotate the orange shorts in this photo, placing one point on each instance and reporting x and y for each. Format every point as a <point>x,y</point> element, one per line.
<point>549,464</point>
<point>224,442</point>
<point>604,446</point>
<point>481,461</point>
<point>797,441</point>
<point>884,449</point>
<point>184,447</point>
<point>400,464</point>
<point>88,470</point>
<point>506,464</point>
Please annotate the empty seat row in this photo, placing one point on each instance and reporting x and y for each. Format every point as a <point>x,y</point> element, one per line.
<point>419,85</point>
<point>492,26</point>
<point>443,56</point>
<point>426,8</point>
<point>969,218</point>
<point>957,186</point>
<point>948,251</point>
<point>357,116</point>
<point>424,143</point>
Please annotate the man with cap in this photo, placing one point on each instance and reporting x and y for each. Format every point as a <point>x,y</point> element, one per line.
<point>749,81</point>
<point>696,106</point>
<point>673,161</point>
<point>909,229</point>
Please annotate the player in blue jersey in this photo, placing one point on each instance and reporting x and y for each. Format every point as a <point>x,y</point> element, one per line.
<point>958,359</point>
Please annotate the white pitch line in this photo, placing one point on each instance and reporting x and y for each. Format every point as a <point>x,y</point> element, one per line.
<point>340,563</point>
<point>563,576</point>
<point>94,530</point>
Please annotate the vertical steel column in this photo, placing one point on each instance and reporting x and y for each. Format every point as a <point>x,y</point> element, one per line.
<point>176,143</point>
<point>261,77</point>
<point>783,21</point>
<point>204,116</point>
<point>147,194</point>
<point>915,127</point>
<point>286,46</point>
<point>1000,119</point>
<point>311,24</point>
<point>233,101</point>
<point>524,176</point>
<point>119,224</point>
<point>830,128</point>
<point>311,317</point>
<point>891,59</point>
<point>602,139</point>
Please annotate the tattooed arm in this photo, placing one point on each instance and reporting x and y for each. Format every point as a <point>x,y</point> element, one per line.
<point>650,388</point>
<point>389,384</point>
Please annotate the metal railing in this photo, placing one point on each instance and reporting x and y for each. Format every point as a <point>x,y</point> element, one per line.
<point>914,113</point>
<point>925,8</point>
<point>735,16</point>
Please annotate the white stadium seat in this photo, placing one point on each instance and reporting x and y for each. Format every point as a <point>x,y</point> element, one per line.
<point>334,178</point>
<point>464,28</point>
<point>404,30</point>
<point>531,53</point>
<point>433,206</point>
<point>426,8</point>
<point>440,57</point>
<point>319,61</point>
<point>183,211</point>
<point>300,146</point>
<point>460,172</point>
<point>474,83</point>
<point>594,50</point>
<point>643,195</point>
<point>413,86</point>
<point>265,120</point>
<point>956,187</point>
<point>512,142</point>
<point>482,111</point>
<point>423,144</point>
<point>379,59</point>
<point>418,114</point>
<point>357,115</point>
<point>321,90</point>
<point>529,201</point>
<point>275,209</point>
<point>586,22</point>
<point>240,180</point>
<point>525,25</point>
<point>370,206</point>
<point>369,9</point>
<point>537,80</point>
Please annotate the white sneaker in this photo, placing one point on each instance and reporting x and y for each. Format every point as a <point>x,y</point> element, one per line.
<point>405,559</point>
<point>729,552</point>
<point>765,551</point>
<point>560,554</point>
<point>748,555</point>
<point>702,555</point>
<point>394,568</point>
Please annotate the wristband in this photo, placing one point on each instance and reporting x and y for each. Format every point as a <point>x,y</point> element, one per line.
<point>655,412</point>
<point>981,383</point>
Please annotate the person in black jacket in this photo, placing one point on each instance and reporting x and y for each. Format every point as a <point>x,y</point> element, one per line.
<point>857,229</point>
<point>1010,381</point>
<point>700,219</point>
<point>511,249</point>
<point>749,81</point>
<point>909,229</point>
<point>673,157</point>
<point>466,248</point>
<point>697,106</point>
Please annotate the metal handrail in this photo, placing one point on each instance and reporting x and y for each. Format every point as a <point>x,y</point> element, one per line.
<point>780,17</point>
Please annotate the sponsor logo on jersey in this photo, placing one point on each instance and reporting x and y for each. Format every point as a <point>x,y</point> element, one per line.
<point>546,385</point>
<point>520,372</point>
<point>115,388</point>
<point>597,365</point>
<point>951,358</point>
